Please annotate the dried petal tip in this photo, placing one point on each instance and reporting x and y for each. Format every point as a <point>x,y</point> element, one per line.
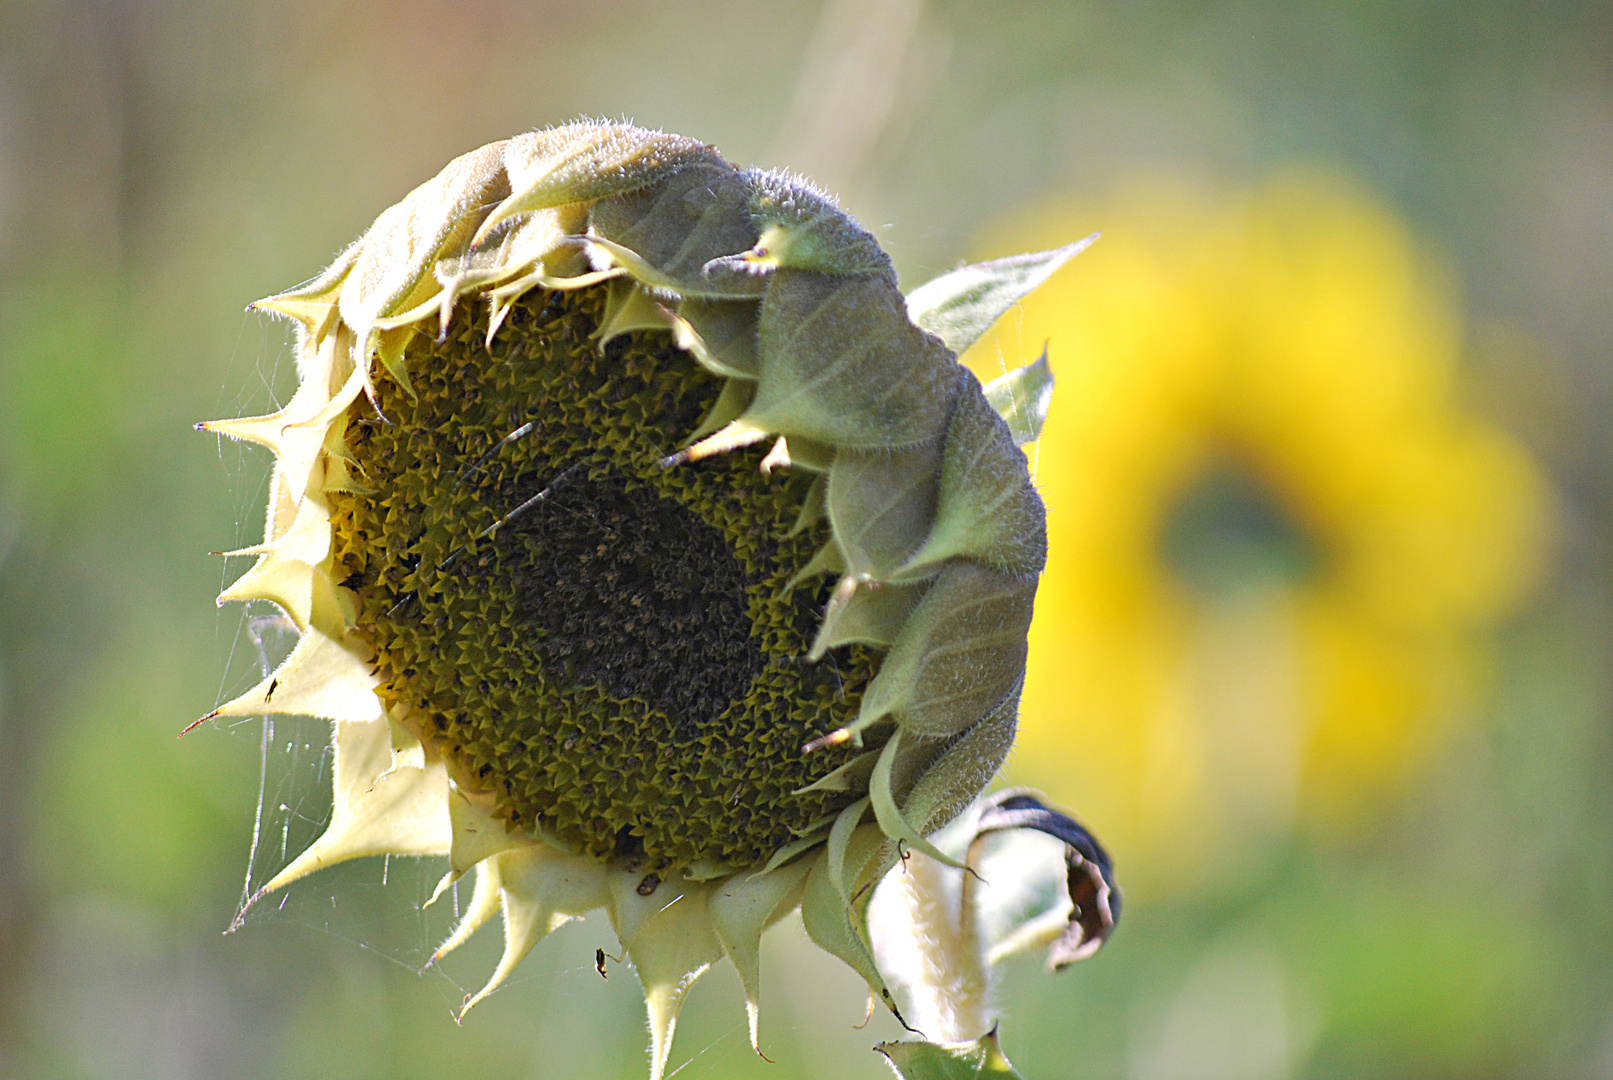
<point>834,738</point>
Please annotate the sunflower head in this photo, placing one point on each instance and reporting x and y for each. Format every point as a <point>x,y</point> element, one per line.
<point>1283,540</point>
<point>647,545</point>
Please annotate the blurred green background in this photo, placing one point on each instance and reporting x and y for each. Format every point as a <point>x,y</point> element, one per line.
<point>1324,645</point>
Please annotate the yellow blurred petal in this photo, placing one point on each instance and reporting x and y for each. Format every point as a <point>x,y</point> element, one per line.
<point>1295,334</point>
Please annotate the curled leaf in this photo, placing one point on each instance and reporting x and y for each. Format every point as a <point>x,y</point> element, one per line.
<point>668,233</point>
<point>826,338</point>
<point>881,503</point>
<point>1089,873</point>
<point>986,508</point>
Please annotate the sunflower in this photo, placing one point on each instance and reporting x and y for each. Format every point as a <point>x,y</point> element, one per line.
<point>649,550</point>
<point>1277,538</point>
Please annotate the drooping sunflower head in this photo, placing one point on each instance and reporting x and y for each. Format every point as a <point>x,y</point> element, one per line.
<point>647,546</point>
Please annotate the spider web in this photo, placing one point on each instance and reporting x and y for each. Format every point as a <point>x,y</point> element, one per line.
<point>376,904</point>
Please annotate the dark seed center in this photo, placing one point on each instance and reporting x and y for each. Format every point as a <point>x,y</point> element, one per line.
<point>632,593</point>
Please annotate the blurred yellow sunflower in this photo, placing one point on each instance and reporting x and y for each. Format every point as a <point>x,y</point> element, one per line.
<point>1276,539</point>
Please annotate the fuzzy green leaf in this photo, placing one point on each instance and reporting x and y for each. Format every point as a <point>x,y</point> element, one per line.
<point>579,164</point>
<point>1022,398</point>
<point>676,227</point>
<point>987,509</point>
<point>961,306</point>
<point>873,615</point>
<point>890,816</point>
<point>836,928</point>
<point>841,364</point>
<point>982,1059</point>
<point>882,505</point>
<point>949,782</point>
<point>960,653</point>
<point>724,335</point>
<point>803,229</point>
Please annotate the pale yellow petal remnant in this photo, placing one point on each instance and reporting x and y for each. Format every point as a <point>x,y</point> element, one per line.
<point>540,890</point>
<point>741,908</point>
<point>378,810</point>
<point>485,901</point>
<point>320,678</point>
<point>477,834</point>
<point>669,937</point>
<point>285,582</point>
<point>306,541</point>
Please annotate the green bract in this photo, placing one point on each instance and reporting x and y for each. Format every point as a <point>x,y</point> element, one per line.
<point>647,545</point>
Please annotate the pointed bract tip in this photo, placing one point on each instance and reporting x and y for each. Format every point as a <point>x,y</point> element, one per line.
<point>472,1000</point>
<point>834,738</point>
<point>777,458</point>
<point>735,436</point>
<point>869,1015</point>
<point>194,724</point>
<point>447,882</point>
<point>240,916</point>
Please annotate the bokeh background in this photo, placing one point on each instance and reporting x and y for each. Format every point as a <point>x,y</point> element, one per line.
<point>1323,649</point>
